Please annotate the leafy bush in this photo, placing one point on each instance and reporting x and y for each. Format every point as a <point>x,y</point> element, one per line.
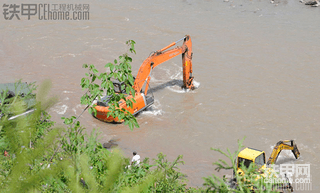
<point>119,70</point>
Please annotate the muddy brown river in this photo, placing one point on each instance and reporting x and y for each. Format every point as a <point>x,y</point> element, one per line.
<point>256,65</point>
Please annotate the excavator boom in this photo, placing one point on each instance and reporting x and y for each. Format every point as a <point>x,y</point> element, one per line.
<point>281,145</point>
<point>162,55</point>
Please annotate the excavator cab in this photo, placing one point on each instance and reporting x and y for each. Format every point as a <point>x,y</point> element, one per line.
<point>251,156</point>
<point>117,87</point>
<point>147,100</point>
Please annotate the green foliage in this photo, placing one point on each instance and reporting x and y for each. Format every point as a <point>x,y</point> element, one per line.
<point>22,92</point>
<point>20,170</point>
<point>43,126</point>
<point>119,70</point>
<point>172,180</point>
<point>135,174</point>
<point>54,159</point>
<point>162,176</point>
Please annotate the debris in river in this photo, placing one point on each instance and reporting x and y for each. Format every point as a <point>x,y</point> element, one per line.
<point>313,3</point>
<point>110,144</point>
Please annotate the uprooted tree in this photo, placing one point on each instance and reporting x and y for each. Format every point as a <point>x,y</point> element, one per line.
<point>119,70</point>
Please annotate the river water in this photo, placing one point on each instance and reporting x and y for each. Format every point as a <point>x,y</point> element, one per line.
<point>256,65</point>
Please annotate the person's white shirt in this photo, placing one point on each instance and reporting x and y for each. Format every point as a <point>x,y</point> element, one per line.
<point>136,160</point>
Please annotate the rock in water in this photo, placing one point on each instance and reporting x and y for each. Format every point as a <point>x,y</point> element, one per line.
<point>110,144</point>
<point>312,2</point>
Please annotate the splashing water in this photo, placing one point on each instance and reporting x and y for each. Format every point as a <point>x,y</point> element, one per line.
<point>61,109</point>
<point>155,109</point>
<point>177,89</point>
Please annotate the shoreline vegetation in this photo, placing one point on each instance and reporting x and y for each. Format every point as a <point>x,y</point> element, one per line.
<point>37,156</point>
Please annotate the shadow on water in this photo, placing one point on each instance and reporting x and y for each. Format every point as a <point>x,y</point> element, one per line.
<point>173,82</point>
<point>285,160</point>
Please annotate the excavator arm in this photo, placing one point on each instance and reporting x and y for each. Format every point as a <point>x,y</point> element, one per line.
<point>281,145</point>
<point>163,55</point>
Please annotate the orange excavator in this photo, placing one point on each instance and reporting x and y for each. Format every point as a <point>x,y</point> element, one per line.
<point>141,83</point>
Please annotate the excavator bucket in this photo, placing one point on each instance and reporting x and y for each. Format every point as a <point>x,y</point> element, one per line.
<point>295,150</point>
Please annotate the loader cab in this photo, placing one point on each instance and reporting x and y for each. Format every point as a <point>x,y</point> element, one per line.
<point>249,156</point>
